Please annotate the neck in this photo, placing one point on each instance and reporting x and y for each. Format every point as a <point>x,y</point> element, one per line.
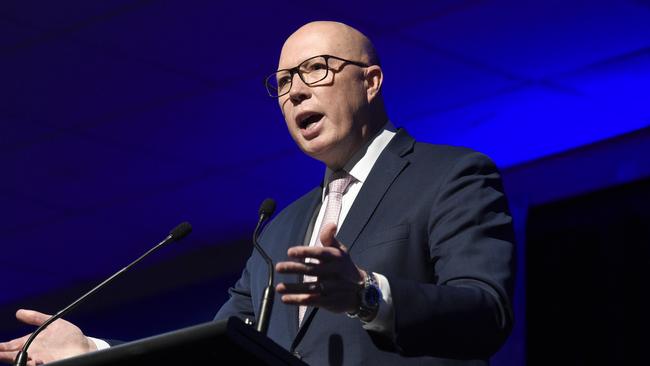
<point>367,133</point>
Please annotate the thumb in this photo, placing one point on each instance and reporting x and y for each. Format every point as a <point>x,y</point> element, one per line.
<point>327,237</point>
<point>31,317</point>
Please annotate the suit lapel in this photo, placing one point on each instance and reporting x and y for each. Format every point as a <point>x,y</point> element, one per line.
<point>389,165</point>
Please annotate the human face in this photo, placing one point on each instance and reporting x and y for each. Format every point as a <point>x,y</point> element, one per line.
<point>326,119</point>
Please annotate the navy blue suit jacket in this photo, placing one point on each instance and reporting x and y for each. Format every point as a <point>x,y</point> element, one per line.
<point>434,220</point>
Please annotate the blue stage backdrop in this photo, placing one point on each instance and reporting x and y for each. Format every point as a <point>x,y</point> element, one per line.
<point>122,118</point>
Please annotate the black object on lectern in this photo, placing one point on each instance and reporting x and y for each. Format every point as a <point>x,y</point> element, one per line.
<point>219,342</point>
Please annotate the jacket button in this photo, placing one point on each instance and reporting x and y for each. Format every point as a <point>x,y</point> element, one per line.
<point>296,355</point>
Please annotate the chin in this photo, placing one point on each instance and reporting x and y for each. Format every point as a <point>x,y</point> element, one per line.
<point>325,154</point>
<point>315,151</point>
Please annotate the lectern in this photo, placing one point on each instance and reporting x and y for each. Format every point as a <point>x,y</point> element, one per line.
<point>214,343</point>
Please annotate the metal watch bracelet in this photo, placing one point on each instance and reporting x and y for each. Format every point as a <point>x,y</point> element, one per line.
<point>369,297</point>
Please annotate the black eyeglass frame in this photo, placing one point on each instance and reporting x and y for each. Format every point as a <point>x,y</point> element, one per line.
<point>296,70</point>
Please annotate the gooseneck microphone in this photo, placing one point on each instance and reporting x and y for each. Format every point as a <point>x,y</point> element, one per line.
<point>176,234</point>
<point>265,212</point>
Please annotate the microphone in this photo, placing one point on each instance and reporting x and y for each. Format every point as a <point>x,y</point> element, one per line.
<point>178,233</point>
<point>266,211</point>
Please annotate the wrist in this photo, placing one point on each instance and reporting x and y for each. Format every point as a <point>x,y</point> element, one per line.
<point>368,299</point>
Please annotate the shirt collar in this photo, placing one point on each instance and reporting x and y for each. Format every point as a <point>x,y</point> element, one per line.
<point>362,161</point>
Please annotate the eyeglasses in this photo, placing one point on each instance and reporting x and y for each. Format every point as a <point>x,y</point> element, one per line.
<point>311,71</point>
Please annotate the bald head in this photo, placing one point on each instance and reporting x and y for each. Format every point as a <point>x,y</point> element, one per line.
<point>326,37</point>
<point>333,117</point>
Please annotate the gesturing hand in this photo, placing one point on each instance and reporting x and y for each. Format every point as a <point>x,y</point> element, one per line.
<point>59,340</point>
<point>339,279</point>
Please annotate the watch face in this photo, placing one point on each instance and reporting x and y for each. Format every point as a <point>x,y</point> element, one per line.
<point>371,296</point>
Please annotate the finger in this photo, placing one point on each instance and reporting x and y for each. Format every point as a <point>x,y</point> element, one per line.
<point>299,288</point>
<point>327,236</point>
<point>13,345</point>
<point>323,288</point>
<point>328,239</point>
<point>310,269</point>
<point>301,299</point>
<point>6,347</point>
<point>322,270</point>
<point>320,253</point>
<point>31,317</point>
<point>8,357</point>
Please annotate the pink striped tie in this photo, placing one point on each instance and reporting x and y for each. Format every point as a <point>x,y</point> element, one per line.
<point>339,181</point>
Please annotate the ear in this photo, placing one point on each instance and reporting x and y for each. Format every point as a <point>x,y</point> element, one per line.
<point>374,77</point>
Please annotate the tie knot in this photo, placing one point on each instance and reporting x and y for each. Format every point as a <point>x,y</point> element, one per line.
<point>339,181</point>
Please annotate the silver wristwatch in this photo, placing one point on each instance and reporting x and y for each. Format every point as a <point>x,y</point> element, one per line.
<point>369,298</point>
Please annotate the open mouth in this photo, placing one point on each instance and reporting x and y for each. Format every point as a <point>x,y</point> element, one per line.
<point>310,120</point>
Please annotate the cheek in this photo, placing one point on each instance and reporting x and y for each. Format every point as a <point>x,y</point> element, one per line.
<point>340,104</point>
<point>346,107</point>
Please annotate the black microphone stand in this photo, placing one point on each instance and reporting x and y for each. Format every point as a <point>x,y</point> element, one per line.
<point>177,233</point>
<point>266,210</point>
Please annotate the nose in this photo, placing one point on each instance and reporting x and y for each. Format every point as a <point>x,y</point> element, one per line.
<point>299,90</point>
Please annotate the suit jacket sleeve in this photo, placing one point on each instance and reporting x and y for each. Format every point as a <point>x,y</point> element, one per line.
<point>240,303</point>
<point>465,311</point>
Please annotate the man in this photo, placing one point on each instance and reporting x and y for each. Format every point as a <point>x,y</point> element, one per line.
<point>404,254</point>
<point>427,225</point>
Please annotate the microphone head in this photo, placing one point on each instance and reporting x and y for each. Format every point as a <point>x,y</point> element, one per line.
<point>180,231</point>
<point>267,207</point>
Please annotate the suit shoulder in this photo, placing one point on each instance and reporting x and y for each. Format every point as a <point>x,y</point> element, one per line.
<point>448,155</point>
